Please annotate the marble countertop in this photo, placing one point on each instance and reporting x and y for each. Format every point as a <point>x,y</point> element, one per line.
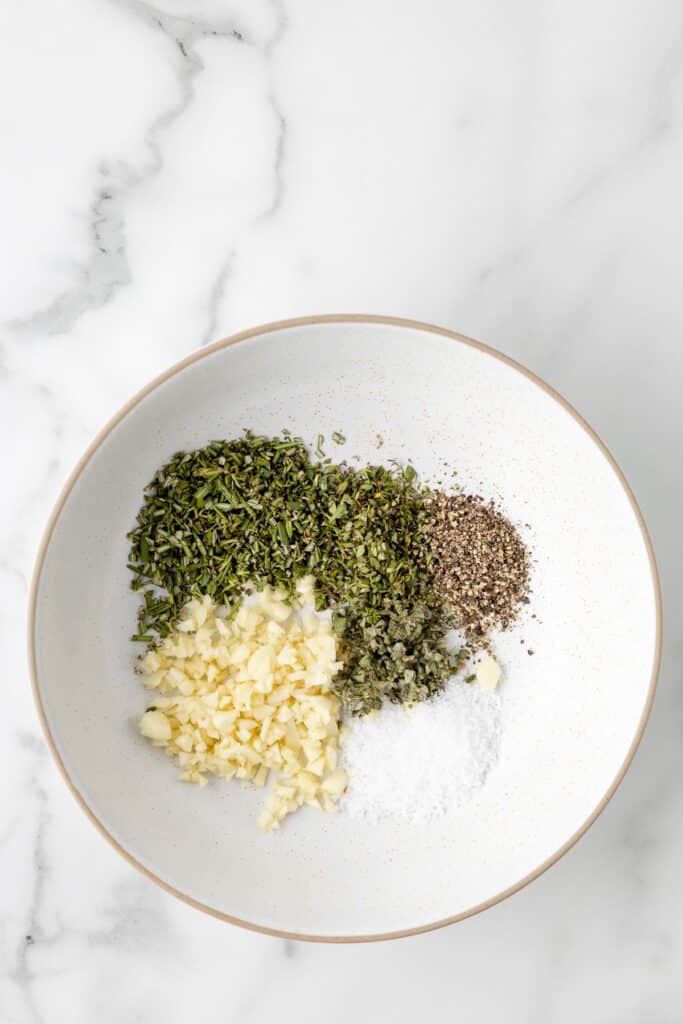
<point>512,171</point>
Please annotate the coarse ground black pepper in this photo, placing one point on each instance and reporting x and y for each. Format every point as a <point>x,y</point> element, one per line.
<point>480,564</point>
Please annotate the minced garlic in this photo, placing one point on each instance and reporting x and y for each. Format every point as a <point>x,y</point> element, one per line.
<point>488,673</point>
<point>242,695</point>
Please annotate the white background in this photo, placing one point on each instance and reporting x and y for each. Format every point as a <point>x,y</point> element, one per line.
<point>176,172</point>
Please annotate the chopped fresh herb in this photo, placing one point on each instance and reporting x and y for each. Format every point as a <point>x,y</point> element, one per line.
<point>397,654</point>
<point>259,511</point>
<point>338,437</point>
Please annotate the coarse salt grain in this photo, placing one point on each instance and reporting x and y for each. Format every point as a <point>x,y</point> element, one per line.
<point>417,764</point>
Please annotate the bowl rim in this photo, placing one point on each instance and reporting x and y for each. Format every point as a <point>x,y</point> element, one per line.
<point>270,328</point>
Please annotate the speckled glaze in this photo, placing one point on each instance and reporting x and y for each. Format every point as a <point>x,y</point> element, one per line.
<point>573,710</point>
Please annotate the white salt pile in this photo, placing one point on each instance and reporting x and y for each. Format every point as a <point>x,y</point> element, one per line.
<point>417,764</point>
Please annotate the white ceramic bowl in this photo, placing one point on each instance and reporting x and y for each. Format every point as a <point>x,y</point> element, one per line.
<point>572,714</point>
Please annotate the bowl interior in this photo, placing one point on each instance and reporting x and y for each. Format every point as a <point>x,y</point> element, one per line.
<point>570,711</point>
